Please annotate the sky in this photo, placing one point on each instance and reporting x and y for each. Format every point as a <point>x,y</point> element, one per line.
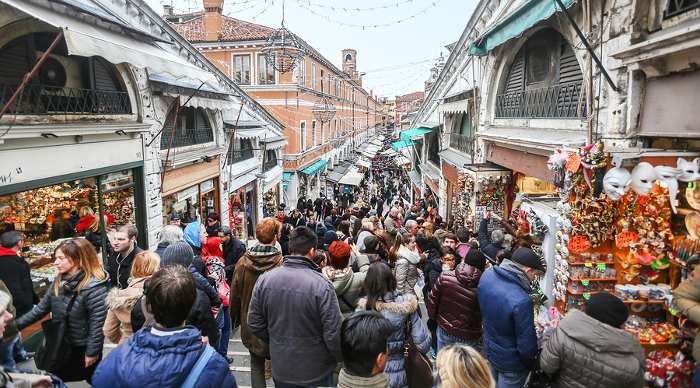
<point>396,57</point>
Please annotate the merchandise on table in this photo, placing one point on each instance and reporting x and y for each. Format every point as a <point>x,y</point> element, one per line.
<point>665,369</point>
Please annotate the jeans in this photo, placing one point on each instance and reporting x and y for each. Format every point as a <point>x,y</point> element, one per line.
<point>257,371</point>
<point>326,381</point>
<point>7,358</point>
<point>223,320</point>
<point>696,378</point>
<point>444,339</point>
<point>510,379</point>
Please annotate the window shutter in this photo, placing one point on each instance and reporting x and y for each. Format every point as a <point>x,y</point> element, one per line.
<point>516,80</point>
<point>569,70</point>
<point>104,77</point>
<point>13,63</point>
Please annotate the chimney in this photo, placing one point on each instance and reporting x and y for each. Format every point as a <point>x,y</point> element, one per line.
<point>213,18</point>
<point>167,10</point>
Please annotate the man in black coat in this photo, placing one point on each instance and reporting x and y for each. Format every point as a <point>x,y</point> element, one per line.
<point>119,262</point>
<point>233,250</point>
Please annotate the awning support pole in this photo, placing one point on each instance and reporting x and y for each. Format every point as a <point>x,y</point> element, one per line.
<point>588,46</point>
<point>28,76</point>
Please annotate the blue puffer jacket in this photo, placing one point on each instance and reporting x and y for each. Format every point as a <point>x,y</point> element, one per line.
<point>153,361</point>
<point>397,308</point>
<point>510,341</point>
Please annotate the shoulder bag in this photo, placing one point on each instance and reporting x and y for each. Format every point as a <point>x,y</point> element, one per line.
<point>55,348</point>
<point>198,367</point>
<point>419,369</point>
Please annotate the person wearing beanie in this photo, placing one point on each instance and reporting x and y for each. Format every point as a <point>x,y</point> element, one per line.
<point>347,284</point>
<point>476,259</point>
<point>328,238</point>
<point>181,253</point>
<point>510,342</point>
<point>612,357</point>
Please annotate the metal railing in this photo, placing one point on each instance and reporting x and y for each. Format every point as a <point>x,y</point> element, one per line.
<point>558,101</point>
<point>463,143</point>
<point>236,156</point>
<point>677,7</point>
<point>37,99</point>
<point>269,164</point>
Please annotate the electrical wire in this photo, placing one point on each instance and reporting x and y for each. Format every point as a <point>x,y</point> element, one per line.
<point>368,26</point>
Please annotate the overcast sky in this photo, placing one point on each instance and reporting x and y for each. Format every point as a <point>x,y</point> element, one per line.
<point>397,58</point>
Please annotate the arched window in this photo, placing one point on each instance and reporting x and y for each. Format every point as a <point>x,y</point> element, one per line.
<point>543,81</point>
<point>65,84</point>
<point>192,128</point>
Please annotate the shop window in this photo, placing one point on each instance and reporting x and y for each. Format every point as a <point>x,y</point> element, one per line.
<point>192,203</point>
<point>242,68</point>
<point>192,128</point>
<point>65,84</point>
<point>544,80</point>
<point>240,150</point>
<point>266,72</point>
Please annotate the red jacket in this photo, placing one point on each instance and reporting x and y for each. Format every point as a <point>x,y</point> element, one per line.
<point>454,302</point>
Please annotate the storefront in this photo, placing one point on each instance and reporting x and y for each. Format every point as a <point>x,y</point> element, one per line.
<point>242,207</point>
<point>191,192</point>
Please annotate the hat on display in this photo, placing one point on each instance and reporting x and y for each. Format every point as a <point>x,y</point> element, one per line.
<point>528,258</point>
<point>177,253</point>
<point>607,308</point>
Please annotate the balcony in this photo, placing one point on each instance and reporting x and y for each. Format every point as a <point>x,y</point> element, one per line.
<point>269,165</point>
<point>462,143</point>
<point>677,7</point>
<point>236,156</point>
<point>558,101</point>
<point>46,100</point>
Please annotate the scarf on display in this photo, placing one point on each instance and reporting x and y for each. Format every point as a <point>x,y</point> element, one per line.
<point>70,284</point>
<point>511,267</point>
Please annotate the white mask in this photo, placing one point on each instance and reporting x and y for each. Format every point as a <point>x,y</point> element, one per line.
<point>689,170</point>
<point>667,175</point>
<point>616,182</point>
<point>643,177</point>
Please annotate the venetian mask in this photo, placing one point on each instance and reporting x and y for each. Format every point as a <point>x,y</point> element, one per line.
<point>689,170</point>
<point>667,175</point>
<point>616,182</point>
<point>643,177</point>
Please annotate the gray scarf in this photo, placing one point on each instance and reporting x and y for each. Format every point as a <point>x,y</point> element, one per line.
<point>347,380</point>
<point>510,266</point>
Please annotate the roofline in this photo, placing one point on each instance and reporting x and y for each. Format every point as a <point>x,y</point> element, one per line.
<point>221,77</point>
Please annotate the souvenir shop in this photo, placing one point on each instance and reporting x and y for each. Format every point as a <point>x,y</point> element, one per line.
<point>627,224</point>
<point>242,208</point>
<point>475,190</point>
<point>191,192</point>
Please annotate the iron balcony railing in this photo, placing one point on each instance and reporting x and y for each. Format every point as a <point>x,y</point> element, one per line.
<point>463,143</point>
<point>37,99</point>
<point>236,156</point>
<point>269,164</point>
<point>677,7</point>
<point>558,101</point>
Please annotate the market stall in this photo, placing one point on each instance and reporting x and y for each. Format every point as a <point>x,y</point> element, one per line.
<point>481,188</point>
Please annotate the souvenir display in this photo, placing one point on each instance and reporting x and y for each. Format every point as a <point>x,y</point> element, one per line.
<point>664,369</point>
<point>616,183</point>
<point>689,171</point>
<point>643,177</point>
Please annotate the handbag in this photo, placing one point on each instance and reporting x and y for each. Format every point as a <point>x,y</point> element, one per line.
<point>55,348</point>
<point>419,369</point>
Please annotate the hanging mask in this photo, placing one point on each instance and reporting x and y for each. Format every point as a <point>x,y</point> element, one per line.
<point>667,175</point>
<point>616,182</point>
<point>689,170</point>
<point>643,177</point>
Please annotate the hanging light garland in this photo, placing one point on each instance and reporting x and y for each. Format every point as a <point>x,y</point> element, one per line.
<point>283,49</point>
<point>324,110</point>
<point>368,26</point>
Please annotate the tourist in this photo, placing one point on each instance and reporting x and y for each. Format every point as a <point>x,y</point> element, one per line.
<point>490,247</point>
<point>233,250</point>
<point>168,235</point>
<point>364,336</point>
<point>461,366</point>
<point>347,284</point>
<point>407,261</point>
<point>124,249</point>
<point>215,272</point>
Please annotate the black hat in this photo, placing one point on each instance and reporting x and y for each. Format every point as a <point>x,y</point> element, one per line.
<point>476,259</point>
<point>281,207</point>
<point>177,253</point>
<point>607,308</point>
<point>528,258</point>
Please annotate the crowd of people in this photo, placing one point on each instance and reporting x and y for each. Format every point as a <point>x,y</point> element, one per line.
<point>327,296</point>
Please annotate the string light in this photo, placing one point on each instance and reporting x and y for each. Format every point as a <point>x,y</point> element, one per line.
<point>395,4</point>
<point>368,26</point>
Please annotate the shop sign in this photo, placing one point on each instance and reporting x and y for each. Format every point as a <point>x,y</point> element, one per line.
<point>191,192</point>
<point>206,186</point>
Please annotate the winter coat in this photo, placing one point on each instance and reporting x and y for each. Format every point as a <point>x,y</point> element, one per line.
<point>361,239</point>
<point>153,359</point>
<point>117,327</point>
<point>398,308</point>
<point>234,249</point>
<point>14,271</point>
<point>687,297</point>
<point>348,284</point>
<point>406,271</point>
<point>86,317</point>
<point>256,261</point>
<point>161,248</point>
<point>390,224</point>
<point>431,270</point>
<point>485,245</point>
<point>295,310</point>
<point>204,284</point>
<point>510,342</point>
<point>454,302</point>
<point>119,268</point>
<point>10,327</point>
<point>586,353</point>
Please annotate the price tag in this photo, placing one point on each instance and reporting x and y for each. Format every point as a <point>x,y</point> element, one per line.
<point>587,296</point>
<point>601,267</point>
<point>584,282</point>
<point>588,264</point>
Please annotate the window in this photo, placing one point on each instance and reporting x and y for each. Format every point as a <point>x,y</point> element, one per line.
<point>335,87</point>
<point>677,7</point>
<point>242,68</point>
<point>301,79</point>
<point>239,150</point>
<point>322,82</point>
<point>192,128</point>
<point>329,84</point>
<point>302,135</point>
<point>323,133</point>
<point>335,129</point>
<point>270,160</point>
<point>313,76</point>
<point>313,133</point>
<point>266,73</point>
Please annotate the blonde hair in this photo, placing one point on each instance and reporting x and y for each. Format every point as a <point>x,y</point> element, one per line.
<point>428,226</point>
<point>145,264</point>
<point>82,253</point>
<point>460,366</point>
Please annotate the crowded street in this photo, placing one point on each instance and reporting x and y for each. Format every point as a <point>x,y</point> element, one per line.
<point>376,193</point>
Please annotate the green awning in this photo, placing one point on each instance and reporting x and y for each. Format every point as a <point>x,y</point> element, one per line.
<point>513,25</point>
<point>286,176</point>
<point>397,145</point>
<point>315,167</point>
<point>408,135</point>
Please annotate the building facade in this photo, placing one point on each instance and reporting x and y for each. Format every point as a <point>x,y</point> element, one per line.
<point>405,108</point>
<point>312,145</point>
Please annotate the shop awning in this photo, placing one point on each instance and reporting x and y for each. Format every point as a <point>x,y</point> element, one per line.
<point>352,178</point>
<point>241,181</point>
<point>286,176</point>
<point>337,173</point>
<point>376,141</point>
<point>397,145</point>
<point>415,178</point>
<point>401,160</point>
<point>87,39</point>
<point>249,133</point>
<point>408,135</point>
<point>389,152</point>
<point>529,13</point>
<point>315,167</point>
<point>364,163</point>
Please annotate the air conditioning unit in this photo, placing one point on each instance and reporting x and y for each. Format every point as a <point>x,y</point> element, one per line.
<point>61,72</point>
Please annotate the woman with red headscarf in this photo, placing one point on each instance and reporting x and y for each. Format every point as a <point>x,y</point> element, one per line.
<point>212,256</point>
